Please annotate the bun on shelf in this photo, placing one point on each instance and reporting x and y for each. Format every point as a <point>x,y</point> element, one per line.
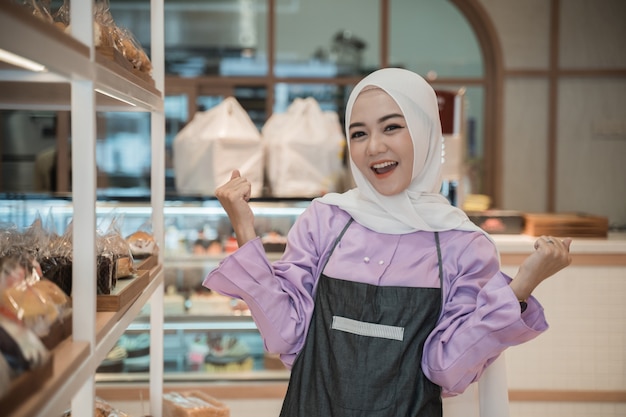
<point>142,244</point>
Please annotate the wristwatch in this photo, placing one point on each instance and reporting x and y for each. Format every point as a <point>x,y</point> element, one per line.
<point>523,305</point>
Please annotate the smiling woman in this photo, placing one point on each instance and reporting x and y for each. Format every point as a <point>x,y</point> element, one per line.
<point>386,288</point>
<point>380,142</point>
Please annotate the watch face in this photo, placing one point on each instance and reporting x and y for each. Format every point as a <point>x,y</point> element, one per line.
<point>523,305</point>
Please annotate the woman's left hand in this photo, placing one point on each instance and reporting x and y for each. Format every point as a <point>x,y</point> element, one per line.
<point>551,255</point>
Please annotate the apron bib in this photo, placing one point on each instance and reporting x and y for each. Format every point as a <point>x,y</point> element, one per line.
<point>362,356</point>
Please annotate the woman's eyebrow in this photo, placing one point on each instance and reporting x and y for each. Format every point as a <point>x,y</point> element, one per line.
<point>390,116</point>
<point>381,120</point>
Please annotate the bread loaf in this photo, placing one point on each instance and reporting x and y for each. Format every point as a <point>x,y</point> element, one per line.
<point>124,267</point>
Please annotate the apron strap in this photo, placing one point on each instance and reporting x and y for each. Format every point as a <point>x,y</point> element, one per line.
<point>440,262</point>
<point>332,249</point>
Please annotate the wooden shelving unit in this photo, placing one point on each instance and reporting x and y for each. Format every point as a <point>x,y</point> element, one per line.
<point>79,79</point>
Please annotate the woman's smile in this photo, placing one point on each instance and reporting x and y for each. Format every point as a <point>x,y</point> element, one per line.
<point>380,143</point>
<point>384,168</point>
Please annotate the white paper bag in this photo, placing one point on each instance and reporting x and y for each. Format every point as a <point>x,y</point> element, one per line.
<point>213,144</point>
<point>304,150</point>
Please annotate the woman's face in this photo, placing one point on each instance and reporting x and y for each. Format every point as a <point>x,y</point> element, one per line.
<point>380,143</point>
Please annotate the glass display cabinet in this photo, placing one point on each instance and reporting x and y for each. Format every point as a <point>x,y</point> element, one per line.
<point>206,336</point>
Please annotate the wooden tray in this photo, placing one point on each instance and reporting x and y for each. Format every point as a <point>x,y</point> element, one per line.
<point>24,386</point>
<point>125,291</point>
<point>146,263</point>
<point>566,225</point>
<point>498,221</point>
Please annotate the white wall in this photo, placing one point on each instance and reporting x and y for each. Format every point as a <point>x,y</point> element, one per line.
<point>591,118</point>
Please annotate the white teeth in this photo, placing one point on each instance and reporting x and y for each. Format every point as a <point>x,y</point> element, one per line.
<point>383,165</point>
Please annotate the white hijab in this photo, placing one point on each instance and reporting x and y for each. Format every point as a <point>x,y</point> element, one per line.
<point>420,206</point>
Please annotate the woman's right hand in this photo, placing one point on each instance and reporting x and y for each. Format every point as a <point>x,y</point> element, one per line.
<point>234,197</point>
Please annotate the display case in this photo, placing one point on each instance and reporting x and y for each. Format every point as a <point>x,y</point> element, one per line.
<point>207,337</point>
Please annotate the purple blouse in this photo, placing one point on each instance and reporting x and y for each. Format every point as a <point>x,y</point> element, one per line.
<point>480,315</point>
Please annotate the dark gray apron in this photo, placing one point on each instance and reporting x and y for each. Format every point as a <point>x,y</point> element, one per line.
<point>362,355</point>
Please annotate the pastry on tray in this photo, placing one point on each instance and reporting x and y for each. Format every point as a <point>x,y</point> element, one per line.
<point>193,404</point>
<point>142,244</point>
<point>227,354</point>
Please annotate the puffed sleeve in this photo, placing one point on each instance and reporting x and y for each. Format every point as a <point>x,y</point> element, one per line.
<point>481,316</point>
<point>279,294</point>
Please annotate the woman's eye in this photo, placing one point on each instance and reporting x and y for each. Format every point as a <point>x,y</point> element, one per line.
<point>356,135</point>
<point>392,127</point>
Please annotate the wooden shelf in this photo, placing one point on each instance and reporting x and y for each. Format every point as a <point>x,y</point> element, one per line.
<point>45,44</point>
<point>73,364</point>
<point>63,381</point>
<point>66,59</point>
<point>106,321</point>
<point>54,95</point>
<point>22,387</point>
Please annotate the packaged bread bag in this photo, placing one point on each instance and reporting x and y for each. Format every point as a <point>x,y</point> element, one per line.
<point>35,302</point>
<point>212,145</point>
<point>304,150</point>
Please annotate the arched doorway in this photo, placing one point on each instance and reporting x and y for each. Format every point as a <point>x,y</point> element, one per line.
<point>493,84</point>
<point>457,42</point>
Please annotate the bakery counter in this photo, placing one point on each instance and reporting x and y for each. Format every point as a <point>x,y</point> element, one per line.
<point>585,251</point>
<point>614,245</point>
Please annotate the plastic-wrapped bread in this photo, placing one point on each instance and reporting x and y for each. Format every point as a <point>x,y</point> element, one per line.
<point>142,244</point>
<point>193,404</point>
<point>30,306</point>
<point>52,291</point>
<point>124,267</point>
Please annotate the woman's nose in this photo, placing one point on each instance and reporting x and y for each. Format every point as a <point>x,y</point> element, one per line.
<point>376,144</point>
